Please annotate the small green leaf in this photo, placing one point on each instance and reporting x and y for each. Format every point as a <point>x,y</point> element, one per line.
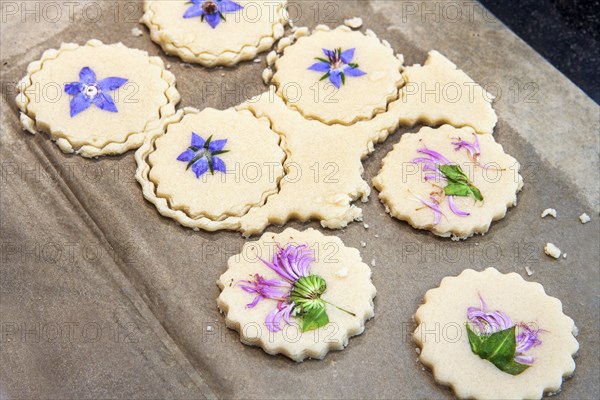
<point>498,348</point>
<point>314,318</point>
<point>222,16</point>
<point>219,152</point>
<point>322,60</point>
<point>207,143</point>
<point>453,173</point>
<point>343,78</point>
<point>457,189</point>
<point>476,193</point>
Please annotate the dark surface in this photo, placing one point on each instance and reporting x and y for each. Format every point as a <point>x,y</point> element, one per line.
<point>565,32</point>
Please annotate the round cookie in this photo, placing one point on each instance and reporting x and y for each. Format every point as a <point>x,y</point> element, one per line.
<point>299,294</point>
<point>215,32</point>
<point>449,181</point>
<point>461,324</point>
<point>338,76</point>
<point>211,167</point>
<point>96,99</point>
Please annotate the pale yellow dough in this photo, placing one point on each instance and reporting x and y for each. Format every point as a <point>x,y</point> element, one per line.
<point>241,37</point>
<point>441,335</point>
<point>254,166</point>
<point>348,285</point>
<point>401,182</point>
<point>360,98</point>
<point>144,103</point>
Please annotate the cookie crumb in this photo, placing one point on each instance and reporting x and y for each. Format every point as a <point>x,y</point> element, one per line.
<point>417,350</point>
<point>209,328</point>
<point>565,255</point>
<point>373,263</point>
<point>584,218</point>
<point>376,236</point>
<point>549,211</point>
<point>363,244</point>
<point>186,65</point>
<point>354,23</point>
<point>257,60</point>
<point>529,271</point>
<point>137,32</point>
<point>552,250</point>
<point>168,66</point>
<point>366,226</point>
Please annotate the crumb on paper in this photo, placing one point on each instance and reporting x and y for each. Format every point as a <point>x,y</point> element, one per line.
<point>366,226</point>
<point>584,218</point>
<point>565,255</point>
<point>209,328</point>
<point>417,350</point>
<point>354,23</point>
<point>137,32</point>
<point>363,244</point>
<point>575,331</point>
<point>257,60</point>
<point>549,211</point>
<point>373,263</point>
<point>529,271</point>
<point>168,66</point>
<point>186,65</point>
<point>342,273</point>
<point>552,250</point>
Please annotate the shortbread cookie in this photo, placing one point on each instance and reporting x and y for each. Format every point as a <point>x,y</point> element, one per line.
<point>211,167</point>
<point>489,335</point>
<point>438,93</point>
<point>215,32</point>
<point>338,76</point>
<point>96,99</point>
<point>450,181</point>
<point>300,294</point>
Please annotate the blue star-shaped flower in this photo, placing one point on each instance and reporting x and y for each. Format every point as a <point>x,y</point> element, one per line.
<point>211,10</point>
<point>202,155</point>
<point>337,66</point>
<point>88,91</point>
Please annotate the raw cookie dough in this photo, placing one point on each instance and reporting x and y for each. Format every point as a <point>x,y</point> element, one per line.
<point>441,334</point>
<point>142,103</point>
<point>348,282</point>
<point>438,93</point>
<point>410,194</point>
<point>247,167</point>
<point>360,98</point>
<point>241,36</point>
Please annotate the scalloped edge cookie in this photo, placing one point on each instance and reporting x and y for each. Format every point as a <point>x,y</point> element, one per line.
<point>133,140</point>
<point>227,58</point>
<point>346,272</point>
<point>390,181</point>
<point>273,59</point>
<point>162,205</point>
<point>468,375</point>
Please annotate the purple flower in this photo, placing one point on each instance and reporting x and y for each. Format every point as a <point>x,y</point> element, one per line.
<point>211,10</point>
<point>488,322</point>
<point>89,91</point>
<point>455,209</point>
<point>201,156</point>
<point>434,205</point>
<point>473,149</point>
<point>266,289</point>
<point>291,263</point>
<point>337,66</point>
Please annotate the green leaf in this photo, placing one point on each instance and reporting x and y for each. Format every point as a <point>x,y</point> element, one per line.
<point>476,193</point>
<point>457,189</point>
<point>207,143</point>
<point>219,152</point>
<point>322,60</point>
<point>343,78</point>
<point>498,348</point>
<point>314,318</point>
<point>453,173</point>
<point>327,75</point>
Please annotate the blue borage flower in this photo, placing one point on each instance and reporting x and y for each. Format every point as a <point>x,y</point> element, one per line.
<point>88,91</point>
<point>211,10</point>
<point>337,66</point>
<point>201,156</point>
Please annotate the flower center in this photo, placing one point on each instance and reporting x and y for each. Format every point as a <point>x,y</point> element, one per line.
<point>90,91</point>
<point>209,7</point>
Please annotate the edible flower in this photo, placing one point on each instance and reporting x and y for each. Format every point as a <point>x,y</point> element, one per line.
<point>298,292</point>
<point>494,337</point>
<point>89,91</point>
<point>337,66</point>
<point>211,10</point>
<point>201,156</point>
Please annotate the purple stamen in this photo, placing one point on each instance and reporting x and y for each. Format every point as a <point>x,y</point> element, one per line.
<point>455,209</point>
